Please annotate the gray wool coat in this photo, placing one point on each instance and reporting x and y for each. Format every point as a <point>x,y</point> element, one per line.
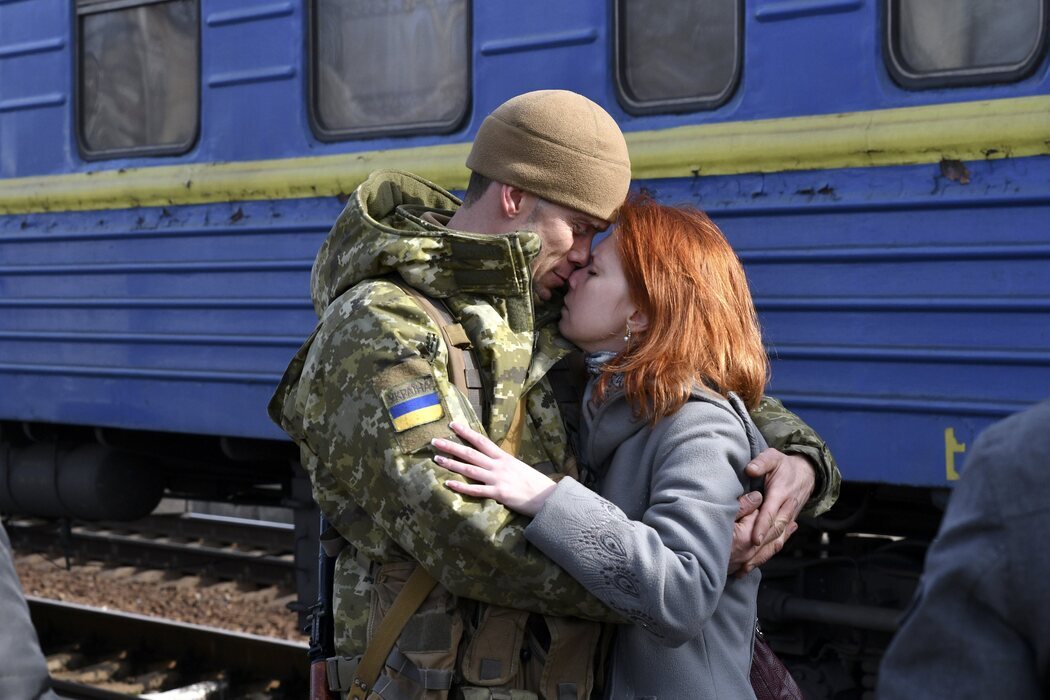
<point>653,541</point>
<point>979,626</point>
<point>23,671</point>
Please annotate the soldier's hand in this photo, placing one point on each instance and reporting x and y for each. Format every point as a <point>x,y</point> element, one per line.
<point>789,482</point>
<point>499,475</point>
<point>760,555</point>
<point>746,517</point>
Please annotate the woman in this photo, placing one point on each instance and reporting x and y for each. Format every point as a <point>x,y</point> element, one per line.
<point>664,313</point>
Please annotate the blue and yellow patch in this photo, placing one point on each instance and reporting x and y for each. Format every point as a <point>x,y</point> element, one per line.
<point>425,408</point>
<point>413,403</point>
<point>410,395</point>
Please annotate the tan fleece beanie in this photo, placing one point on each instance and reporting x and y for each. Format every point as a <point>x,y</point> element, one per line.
<point>557,145</point>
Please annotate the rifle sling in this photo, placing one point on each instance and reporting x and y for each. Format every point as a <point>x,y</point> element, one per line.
<point>407,601</point>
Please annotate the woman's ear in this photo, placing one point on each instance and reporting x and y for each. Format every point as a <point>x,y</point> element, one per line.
<point>638,321</point>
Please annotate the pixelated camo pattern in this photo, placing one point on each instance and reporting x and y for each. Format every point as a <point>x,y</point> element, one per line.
<point>786,432</point>
<point>379,487</point>
<point>330,403</point>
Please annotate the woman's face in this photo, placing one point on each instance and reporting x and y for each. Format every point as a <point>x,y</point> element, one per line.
<point>598,305</point>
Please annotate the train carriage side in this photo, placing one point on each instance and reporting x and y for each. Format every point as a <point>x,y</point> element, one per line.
<point>882,171</point>
<point>168,169</point>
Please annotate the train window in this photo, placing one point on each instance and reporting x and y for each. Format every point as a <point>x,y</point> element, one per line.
<point>937,43</point>
<point>388,66</point>
<point>138,76</point>
<point>675,55</point>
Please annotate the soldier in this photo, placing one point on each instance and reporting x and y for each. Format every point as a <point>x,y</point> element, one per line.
<point>371,388</point>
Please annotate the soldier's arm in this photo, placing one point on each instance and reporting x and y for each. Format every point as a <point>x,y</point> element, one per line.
<point>786,432</point>
<point>374,394</point>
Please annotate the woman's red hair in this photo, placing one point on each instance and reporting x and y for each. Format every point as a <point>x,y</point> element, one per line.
<point>683,274</point>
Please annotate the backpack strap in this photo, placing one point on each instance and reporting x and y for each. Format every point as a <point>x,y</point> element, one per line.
<point>465,375</point>
<point>462,364</point>
<point>464,372</point>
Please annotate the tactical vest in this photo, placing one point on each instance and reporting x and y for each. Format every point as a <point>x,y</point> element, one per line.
<point>417,629</point>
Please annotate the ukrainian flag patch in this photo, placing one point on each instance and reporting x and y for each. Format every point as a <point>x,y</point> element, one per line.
<point>412,403</point>
<point>425,408</point>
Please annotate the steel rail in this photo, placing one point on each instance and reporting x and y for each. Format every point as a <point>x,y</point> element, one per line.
<point>243,659</point>
<point>216,549</point>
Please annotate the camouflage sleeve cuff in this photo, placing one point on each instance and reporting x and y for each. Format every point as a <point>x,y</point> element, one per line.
<point>785,431</point>
<point>826,486</point>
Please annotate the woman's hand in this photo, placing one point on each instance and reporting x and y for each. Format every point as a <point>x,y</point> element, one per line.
<point>500,476</point>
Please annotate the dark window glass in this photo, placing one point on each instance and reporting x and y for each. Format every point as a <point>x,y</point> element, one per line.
<point>390,66</point>
<point>945,42</point>
<point>677,54</point>
<point>139,77</point>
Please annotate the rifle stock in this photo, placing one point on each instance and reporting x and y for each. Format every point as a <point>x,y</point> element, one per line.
<point>319,682</point>
<point>321,639</point>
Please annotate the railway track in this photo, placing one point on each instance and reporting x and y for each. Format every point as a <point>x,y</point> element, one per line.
<point>211,546</point>
<point>94,653</point>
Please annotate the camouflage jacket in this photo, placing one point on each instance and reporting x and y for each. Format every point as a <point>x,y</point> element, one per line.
<point>369,389</point>
<point>374,353</point>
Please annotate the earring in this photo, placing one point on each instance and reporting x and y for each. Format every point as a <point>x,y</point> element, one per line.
<point>627,334</point>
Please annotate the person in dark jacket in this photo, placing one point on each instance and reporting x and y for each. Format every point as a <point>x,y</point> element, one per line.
<point>979,626</point>
<point>23,671</point>
<point>676,359</point>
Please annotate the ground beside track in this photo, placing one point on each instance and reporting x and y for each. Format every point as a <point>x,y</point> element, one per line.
<point>223,604</point>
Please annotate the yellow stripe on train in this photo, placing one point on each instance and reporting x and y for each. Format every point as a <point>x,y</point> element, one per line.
<point>1013,127</point>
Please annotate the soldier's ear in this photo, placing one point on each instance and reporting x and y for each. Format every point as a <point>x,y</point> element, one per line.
<point>513,201</point>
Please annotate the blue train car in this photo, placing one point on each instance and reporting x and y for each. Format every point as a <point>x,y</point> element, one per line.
<point>168,169</point>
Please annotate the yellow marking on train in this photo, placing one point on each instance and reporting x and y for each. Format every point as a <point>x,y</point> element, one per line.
<point>905,136</point>
<point>952,447</point>
<point>991,129</point>
<point>201,183</point>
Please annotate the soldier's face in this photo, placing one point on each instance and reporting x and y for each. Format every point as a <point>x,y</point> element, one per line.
<point>598,304</point>
<point>566,236</point>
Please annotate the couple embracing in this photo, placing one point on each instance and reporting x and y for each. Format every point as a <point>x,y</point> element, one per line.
<point>489,529</point>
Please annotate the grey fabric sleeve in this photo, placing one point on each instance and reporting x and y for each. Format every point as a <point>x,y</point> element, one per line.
<point>977,625</point>
<point>23,672</point>
<point>666,572</point>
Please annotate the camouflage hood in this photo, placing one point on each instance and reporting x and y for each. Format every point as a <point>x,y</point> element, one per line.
<point>392,224</point>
